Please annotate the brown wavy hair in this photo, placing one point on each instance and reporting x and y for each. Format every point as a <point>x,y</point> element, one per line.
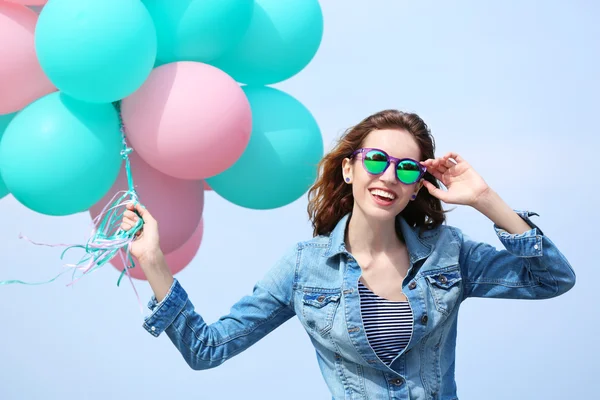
<point>329,199</point>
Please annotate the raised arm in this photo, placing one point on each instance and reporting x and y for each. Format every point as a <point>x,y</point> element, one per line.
<point>529,267</point>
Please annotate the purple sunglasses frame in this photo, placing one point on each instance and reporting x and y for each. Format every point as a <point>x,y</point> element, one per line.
<point>390,160</point>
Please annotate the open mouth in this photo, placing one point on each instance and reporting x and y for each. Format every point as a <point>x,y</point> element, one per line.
<point>382,197</point>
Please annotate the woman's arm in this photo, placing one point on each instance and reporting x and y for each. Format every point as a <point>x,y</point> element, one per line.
<point>202,345</point>
<point>205,345</point>
<point>529,267</point>
<point>157,273</point>
<point>493,207</point>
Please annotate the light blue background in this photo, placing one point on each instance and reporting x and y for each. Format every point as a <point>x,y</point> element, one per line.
<point>512,86</point>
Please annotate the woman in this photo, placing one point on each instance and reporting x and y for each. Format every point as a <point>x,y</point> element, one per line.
<point>379,286</point>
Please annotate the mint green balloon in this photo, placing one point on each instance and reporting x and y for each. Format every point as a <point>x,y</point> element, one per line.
<point>4,121</point>
<point>3,188</point>
<point>98,51</point>
<point>60,156</point>
<point>283,37</point>
<point>198,30</point>
<point>280,162</point>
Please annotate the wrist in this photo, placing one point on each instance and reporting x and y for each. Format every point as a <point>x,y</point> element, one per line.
<point>488,200</point>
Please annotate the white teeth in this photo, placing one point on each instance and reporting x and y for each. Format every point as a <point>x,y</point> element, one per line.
<point>383,193</point>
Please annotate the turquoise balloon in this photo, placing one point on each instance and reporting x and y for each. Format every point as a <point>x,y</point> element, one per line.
<point>59,155</point>
<point>4,121</point>
<point>282,39</point>
<point>96,51</point>
<point>3,189</point>
<point>280,162</point>
<point>198,30</point>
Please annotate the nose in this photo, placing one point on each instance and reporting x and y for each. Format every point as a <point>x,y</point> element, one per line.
<point>389,175</point>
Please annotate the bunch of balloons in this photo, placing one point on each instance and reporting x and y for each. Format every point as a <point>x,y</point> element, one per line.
<point>191,79</point>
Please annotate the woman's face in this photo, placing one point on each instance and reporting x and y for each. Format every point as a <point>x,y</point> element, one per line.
<point>382,197</point>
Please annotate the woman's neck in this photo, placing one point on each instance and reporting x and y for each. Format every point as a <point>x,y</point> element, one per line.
<point>372,237</point>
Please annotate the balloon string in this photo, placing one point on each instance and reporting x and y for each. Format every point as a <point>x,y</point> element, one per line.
<point>107,239</point>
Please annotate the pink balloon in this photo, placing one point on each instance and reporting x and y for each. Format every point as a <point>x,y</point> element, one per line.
<point>28,2</point>
<point>189,120</point>
<point>207,186</point>
<point>21,77</point>
<point>176,260</point>
<point>177,204</point>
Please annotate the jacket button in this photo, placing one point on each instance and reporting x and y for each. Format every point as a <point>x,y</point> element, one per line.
<point>398,381</point>
<point>412,285</point>
<point>424,319</point>
<point>443,279</point>
<point>320,298</point>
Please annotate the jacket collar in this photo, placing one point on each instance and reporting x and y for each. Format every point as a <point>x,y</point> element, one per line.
<point>419,246</point>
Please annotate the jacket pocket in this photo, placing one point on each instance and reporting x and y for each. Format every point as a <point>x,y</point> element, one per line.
<point>445,287</point>
<point>318,310</point>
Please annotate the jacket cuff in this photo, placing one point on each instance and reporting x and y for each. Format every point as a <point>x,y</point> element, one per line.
<point>165,312</point>
<point>527,244</point>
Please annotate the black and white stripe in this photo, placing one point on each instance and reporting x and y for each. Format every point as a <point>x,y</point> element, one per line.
<point>388,324</point>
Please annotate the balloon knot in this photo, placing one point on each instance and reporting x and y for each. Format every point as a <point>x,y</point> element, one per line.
<point>125,152</point>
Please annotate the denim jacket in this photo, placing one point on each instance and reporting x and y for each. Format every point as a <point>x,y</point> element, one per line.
<point>317,280</point>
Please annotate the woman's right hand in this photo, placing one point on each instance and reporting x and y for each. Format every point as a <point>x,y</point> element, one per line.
<point>146,245</point>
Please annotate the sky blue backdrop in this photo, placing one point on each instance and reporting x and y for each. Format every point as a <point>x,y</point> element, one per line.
<point>512,86</point>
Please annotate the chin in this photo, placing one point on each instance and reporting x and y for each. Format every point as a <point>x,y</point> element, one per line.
<point>374,213</point>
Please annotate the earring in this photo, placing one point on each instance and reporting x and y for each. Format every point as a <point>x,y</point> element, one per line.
<point>414,196</point>
<point>347,179</point>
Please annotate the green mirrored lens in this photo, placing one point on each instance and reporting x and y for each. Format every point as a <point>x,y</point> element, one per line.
<point>375,162</point>
<point>408,171</point>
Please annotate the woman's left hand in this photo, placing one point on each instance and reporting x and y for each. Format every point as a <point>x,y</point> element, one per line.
<point>465,186</point>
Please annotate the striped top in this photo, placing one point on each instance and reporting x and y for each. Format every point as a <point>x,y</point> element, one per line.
<point>388,324</point>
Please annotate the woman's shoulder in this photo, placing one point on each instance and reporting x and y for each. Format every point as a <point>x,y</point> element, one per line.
<point>316,241</point>
<point>318,245</point>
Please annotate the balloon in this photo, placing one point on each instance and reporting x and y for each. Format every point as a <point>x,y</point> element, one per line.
<point>176,260</point>
<point>59,155</point>
<point>280,162</point>
<point>282,39</point>
<point>22,79</point>
<point>29,2</point>
<point>37,9</point>
<point>189,120</point>
<point>3,188</point>
<point>96,51</point>
<point>4,121</point>
<point>176,204</point>
<point>198,30</point>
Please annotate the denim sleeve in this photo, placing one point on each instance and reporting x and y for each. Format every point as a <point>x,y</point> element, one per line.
<point>529,267</point>
<point>254,316</point>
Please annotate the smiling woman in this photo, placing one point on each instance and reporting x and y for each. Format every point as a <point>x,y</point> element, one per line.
<point>405,134</point>
<point>379,286</point>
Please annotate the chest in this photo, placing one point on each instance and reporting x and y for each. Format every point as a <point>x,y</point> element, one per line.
<point>384,275</point>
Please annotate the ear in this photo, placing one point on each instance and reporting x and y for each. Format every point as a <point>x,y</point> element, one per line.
<point>417,188</point>
<point>347,170</point>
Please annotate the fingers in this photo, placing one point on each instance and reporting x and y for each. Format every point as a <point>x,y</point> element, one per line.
<point>141,211</point>
<point>130,219</point>
<point>437,174</point>
<point>442,164</point>
<point>435,192</point>
<point>454,156</point>
<point>133,213</point>
<point>436,166</point>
